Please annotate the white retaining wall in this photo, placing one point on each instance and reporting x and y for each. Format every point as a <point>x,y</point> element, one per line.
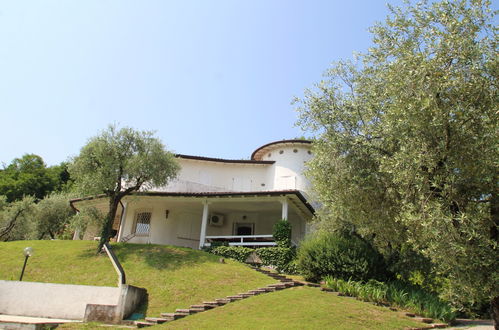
<point>51,300</point>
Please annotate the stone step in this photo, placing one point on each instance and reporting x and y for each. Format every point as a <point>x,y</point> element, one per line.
<point>222,301</point>
<point>203,307</point>
<point>184,311</point>
<point>157,320</point>
<point>143,324</point>
<point>196,310</point>
<point>258,291</point>
<point>314,285</point>
<point>298,283</point>
<point>212,304</point>
<point>246,294</point>
<point>289,284</point>
<point>234,298</point>
<point>439,325</point>
<point>287,280</point>
<point>327,290</point>
<point>268,289</point>
<point>424,319</point>
<point>173,316</point>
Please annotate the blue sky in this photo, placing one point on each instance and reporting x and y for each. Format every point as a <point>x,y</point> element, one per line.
<point>212,78</point>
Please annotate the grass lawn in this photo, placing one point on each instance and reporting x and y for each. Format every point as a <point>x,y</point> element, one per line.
<point>174,277</point>
<point>179,277</point>
<point>296,308</point>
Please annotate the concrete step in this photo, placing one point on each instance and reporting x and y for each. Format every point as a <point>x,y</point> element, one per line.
<point>196,310</point>
<point>143,324</point>
<point>157,320</point>
<point>213,304</point>
<point>173,316</point>
<point>232,298</point>
<point>222,301</point>
<point>184,311</point>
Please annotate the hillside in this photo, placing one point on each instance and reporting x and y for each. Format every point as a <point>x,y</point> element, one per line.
<point>174,277</point>
<point>179,277</point>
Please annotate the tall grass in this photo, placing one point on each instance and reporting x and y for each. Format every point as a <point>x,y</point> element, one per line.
<point>395,293</point>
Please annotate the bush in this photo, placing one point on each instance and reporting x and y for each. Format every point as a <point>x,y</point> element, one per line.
<point>239,253</point>
<point>279,257</point>
<point>341,256</point>
<point>282,233</point>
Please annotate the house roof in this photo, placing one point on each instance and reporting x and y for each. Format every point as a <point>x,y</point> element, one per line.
<point>257,155</point>
<point>231,161</point>
<point>295,193</point>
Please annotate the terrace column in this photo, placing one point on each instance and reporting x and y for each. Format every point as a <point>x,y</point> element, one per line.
<point>122,222</point>
<point>204,223</point>
<point>284,203</point>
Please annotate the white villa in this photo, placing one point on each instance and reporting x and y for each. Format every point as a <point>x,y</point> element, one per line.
<point>215,199</point>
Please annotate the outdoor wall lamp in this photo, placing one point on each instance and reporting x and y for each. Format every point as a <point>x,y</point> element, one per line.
<point>28,252</point>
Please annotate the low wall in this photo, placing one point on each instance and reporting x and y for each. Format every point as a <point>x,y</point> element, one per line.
<point>65,301</point>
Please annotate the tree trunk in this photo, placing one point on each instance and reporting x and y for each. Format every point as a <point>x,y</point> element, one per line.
<point>107,227</point>
<point>494,311</point>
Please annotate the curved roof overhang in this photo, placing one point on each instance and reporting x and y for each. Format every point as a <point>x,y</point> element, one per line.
<point>227,161</point>
<point>258,154</point>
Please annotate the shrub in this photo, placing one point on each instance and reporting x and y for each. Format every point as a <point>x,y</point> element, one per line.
<point>282,233</point>
<point>341,256</point>
<point>280,257</point>
<point>239,253</point>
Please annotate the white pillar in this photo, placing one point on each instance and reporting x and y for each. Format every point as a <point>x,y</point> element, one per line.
<point>122,222</point>
<point>204,223</point>
<point>284,203</point>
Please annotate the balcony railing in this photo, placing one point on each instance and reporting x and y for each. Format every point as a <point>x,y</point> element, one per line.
<point>242,240</point>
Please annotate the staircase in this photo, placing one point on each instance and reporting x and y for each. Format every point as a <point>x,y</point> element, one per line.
<point>127,238</point>
<point>283,283</point>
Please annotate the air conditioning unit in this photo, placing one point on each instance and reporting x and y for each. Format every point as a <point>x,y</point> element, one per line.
<point>216,220</point>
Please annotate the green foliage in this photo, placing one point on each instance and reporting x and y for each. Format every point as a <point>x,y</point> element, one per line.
<point>29,176</point>
<point>282,233</point>
<point>395,293</point>
<point>279,257</point>
<point>341,256</point>
<point>15,219</point>
<point>118,162</point>
<point>52,217</point>
<point>239,253</point>
<point>407,145</point>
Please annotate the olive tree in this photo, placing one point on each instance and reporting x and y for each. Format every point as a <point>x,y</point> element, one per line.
<point>118,162</point>
<point>407,147</point>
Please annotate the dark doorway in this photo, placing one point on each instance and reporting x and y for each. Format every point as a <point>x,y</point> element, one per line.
<point>243,229</point>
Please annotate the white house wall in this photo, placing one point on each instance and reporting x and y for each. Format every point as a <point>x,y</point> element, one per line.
<point>285,174</point>
<point>183,225</point>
